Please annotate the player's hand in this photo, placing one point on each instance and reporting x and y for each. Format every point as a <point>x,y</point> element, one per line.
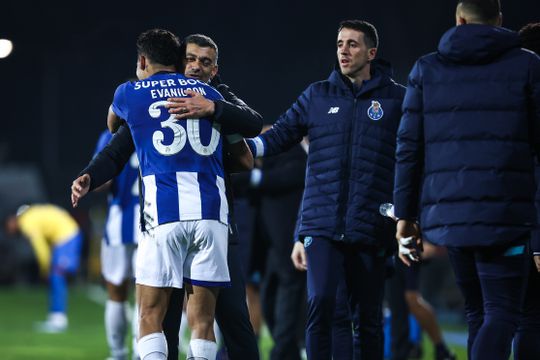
<point>194,107</point>
<point>79,189</point>
<point>298,256</point>
<point>536,259</point>
<point>409,241</point>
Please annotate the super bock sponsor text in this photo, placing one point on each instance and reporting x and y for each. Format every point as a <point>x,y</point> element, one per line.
<point>167,87</point>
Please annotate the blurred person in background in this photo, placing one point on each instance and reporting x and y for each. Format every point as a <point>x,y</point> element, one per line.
<point>526,341</point>
<point>118,247</point>
<point>280,184</point>
<point>252,243</point>
<point>351,120</point>
<point>57,241</point>
<point>465,168</point>
<point>406,281</point>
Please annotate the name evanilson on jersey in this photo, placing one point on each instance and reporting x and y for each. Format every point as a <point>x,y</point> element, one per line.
<point>166,93</point>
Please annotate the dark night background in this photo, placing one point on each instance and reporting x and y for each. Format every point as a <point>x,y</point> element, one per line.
<point>67,61</point>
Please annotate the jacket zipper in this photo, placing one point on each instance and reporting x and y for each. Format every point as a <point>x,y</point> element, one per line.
<point>344,196</point>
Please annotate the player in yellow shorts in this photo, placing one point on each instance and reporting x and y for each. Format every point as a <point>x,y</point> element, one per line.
<point>56,240</point>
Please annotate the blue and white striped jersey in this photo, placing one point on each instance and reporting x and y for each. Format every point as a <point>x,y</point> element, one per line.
<point>181,161</point>
<point>122,224</point>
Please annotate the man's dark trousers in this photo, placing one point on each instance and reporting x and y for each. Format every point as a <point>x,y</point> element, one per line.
<point>364,269</point>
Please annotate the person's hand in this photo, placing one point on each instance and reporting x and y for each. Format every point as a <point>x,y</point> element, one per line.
<point>536,259</point>
<point>298,256</point>
<point>79,189</point>
<point>409,241</point>
<point>194,107</point>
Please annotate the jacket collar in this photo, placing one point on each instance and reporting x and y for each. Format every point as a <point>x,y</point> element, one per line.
<point>381,75</point>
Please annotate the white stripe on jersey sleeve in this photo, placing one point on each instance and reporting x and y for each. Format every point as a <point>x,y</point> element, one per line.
<point>189,196</point>
<point>224,208</point>
<point>259,147</point>
<point>150,208</point>
<point>114,225</point>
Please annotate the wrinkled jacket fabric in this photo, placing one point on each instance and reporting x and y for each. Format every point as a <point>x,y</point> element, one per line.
<point>466,139</point>
<point>351,155</point>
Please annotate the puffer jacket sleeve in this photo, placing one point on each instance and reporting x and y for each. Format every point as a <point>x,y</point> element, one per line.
<point>535,235</point>
<point>410,149</point>
<point>288,130</point>
<point>534,85</point>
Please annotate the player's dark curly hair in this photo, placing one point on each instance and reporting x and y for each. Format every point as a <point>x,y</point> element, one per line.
<point>159,47</point>
<point>484,11</point>
<point>371,37</point>
<point>530,37</point>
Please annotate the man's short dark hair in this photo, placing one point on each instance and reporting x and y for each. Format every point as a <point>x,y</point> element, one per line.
<point>202,41</point>
<point>371,37</point>
<point>530,37</point>
<point>484,11</point>
<point>160,47</point>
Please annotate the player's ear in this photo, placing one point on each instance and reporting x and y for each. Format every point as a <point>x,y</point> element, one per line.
<point>141,62</point>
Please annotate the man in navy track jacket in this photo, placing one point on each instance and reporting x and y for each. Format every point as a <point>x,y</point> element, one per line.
<point>351,120</point>
<point>465,167</point>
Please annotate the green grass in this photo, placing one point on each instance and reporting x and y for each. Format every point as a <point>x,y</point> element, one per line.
<point>20,308</point>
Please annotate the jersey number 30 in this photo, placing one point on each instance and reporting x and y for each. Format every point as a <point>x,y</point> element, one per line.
<point>192,134</point>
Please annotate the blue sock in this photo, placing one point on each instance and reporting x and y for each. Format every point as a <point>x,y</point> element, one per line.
<point>57,292</point>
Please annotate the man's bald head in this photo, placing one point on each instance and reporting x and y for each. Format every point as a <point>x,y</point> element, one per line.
<point>486,12</point>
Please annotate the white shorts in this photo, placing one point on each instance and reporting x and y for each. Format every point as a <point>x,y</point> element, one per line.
<point>117,262</point>
<point>185,251</point>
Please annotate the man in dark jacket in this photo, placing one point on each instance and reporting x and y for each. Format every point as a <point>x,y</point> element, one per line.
<point>526,344</point>
<point>471,118</point>
<point>351,120</point>
<point>236,117</point>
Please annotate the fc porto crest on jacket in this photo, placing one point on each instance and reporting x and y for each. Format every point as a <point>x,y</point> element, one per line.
<point>375,111</point>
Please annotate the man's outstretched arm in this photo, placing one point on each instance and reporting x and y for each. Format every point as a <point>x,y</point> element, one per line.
<point>107,164</point>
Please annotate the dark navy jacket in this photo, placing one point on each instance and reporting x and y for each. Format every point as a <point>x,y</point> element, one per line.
<point>465,143</point>
<point>352,134</point>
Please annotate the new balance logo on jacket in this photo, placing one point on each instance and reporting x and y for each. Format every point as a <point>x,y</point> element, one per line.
<point>333,110</point>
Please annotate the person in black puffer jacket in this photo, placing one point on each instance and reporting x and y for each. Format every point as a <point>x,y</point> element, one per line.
<point>465,167</point>
<point>526,344</point>
<point>351,120</point>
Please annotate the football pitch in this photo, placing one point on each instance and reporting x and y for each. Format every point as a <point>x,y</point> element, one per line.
<point>21,307</point>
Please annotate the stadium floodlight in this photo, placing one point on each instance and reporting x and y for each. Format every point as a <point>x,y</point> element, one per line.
<point>6,46</point>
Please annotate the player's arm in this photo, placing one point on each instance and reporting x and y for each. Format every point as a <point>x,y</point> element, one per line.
<point>41,251</point>
<point>107,164</point>
<point>113,121</point>
<point>238,157</point>
<point>288,130</point>
<point>234,115</point>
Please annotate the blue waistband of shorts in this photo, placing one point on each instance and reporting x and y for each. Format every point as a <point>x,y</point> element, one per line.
<point>207,283</point>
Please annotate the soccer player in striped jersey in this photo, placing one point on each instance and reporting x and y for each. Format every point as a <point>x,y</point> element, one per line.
<point>185,208</point>
<point>118,247</point>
